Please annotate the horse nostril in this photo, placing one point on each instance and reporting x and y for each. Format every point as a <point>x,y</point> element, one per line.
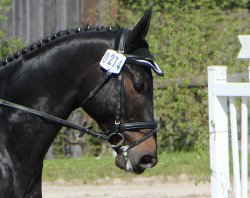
<point>148,161</point>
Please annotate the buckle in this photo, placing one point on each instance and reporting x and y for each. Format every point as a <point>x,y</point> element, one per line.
<point>116,140</point>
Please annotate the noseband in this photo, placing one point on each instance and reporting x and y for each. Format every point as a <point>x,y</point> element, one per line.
<point>115,137</point>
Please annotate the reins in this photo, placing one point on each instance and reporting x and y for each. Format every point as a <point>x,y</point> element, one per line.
<point>53,119</point>
<point>115,138</point>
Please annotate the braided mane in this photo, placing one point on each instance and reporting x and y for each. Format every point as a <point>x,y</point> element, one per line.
<point>48,39</point>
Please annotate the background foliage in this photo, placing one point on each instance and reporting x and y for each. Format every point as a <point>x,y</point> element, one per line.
<point>7,46</point>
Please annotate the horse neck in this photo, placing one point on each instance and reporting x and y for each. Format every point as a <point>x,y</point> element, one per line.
<point>48,79</point>
<point>52,76</point>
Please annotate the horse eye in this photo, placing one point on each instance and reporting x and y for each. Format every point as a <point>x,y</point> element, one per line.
<point>139,87</point>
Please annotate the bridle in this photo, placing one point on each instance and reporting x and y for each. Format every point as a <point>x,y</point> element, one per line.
<point>114,137</point>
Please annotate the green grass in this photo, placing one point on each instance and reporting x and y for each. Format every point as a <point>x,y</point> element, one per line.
<point>87,169</point>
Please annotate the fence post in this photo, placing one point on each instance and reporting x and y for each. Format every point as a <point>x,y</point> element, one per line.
<point>235,146</point>
<point>244,144</point>
<point>218,129</point>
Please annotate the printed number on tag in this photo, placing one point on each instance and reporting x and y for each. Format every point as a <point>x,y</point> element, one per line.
<point>113,61</point>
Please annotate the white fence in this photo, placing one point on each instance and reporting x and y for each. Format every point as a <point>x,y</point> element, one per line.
<point>219,91</point>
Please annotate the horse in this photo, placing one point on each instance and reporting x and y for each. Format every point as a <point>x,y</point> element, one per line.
<point>106,71</point>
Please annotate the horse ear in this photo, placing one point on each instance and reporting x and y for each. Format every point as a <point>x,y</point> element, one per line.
<point>141,29</point>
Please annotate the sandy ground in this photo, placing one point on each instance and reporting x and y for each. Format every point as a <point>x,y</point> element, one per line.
<point>139,188</point>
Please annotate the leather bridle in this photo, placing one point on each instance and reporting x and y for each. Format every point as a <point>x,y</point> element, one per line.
<point>115,137</point>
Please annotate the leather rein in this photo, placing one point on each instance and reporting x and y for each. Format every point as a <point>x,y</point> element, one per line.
<point>115,138</point>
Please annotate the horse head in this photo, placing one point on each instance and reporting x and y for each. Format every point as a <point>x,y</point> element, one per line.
<point>123,106</point>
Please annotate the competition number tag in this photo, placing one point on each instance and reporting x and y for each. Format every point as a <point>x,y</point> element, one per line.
<point>112,61</point>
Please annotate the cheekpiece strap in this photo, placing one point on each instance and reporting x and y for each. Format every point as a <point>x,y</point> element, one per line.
<point>97,87</point>
<point>119,107</point>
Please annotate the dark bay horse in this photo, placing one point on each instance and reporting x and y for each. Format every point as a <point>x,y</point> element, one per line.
<point>61,73</point>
